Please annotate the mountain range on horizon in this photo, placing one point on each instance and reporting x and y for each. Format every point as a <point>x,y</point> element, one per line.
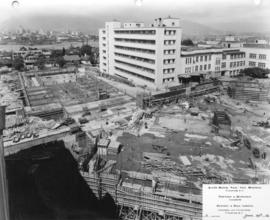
<point>89,24</point>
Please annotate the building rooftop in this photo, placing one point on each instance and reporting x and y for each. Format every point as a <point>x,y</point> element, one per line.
<point>192,48</point>
<point>72,58</point>
<point>196,49</point>
<point>233,52</point>
<point>232,41</point>
<point>262,46</point>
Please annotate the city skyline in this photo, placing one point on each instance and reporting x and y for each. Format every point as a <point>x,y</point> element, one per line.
<point>234,16</point>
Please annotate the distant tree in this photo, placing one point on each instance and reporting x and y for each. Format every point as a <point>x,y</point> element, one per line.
<point>60,61</point>
<point>86,49</point>
<point>57,57</point>
<point>18,63</point>
<point>41,60</point>
<point>91,52</point>
<point>94,58</point>
<point>255,72</point>
<point>63,51</point>
<point>187,42</point>
<point>56,53</point>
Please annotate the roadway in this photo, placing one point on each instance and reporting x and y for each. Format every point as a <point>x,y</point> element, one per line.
<point>44,137</point>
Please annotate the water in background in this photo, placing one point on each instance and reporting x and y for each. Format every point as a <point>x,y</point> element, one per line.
<point>16,47</point>
<point>44,183</point>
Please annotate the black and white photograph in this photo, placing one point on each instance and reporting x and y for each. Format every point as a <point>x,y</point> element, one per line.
<point>134,109</point>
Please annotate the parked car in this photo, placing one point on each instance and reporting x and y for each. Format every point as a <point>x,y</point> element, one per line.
<point>83,120</point>
<point>29,134</point>
<point>17,138</point>
<point>35,135</point>
<point>23,136</point>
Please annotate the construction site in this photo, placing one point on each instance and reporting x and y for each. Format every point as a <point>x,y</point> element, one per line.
<point>150,151</point>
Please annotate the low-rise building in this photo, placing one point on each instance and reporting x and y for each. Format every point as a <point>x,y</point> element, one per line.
<point>199,63</point>
<point>30,55</point>
<point>257,55</point>
<point>233,61</point>
<point>202,63</point>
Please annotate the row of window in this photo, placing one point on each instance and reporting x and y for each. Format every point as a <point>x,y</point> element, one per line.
<point>254,56</point>
<point>169,61</point>
<point>147,32</point>
<point>261,65</point>
<point>234,72</point>
<point>223,65</point>
<point>21,53</point>
<point>135,58</point>
<point>203,67</point>
<point>236,64</point>
<point>168,71</point>
<point>171,52</point>
<point>262,56</point>
<point>136,49</point>
<point>135,41</point>
<point>170,32</point>
<point>169,42</point>
<point>237,56</point>
<point>135,74</point>
<point>189,60</point>
<point>251,63</point>
<point>234,56</point>
<point>135,66</point>
<point>30,58</point>
<point>171,79</point>
<point>197,68</point>
<point>188,70</point>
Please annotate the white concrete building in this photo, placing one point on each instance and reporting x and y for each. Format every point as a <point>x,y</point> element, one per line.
<point>233,61</point>
<point>146,55</point>
<point>257,55</point>
<point>262,41</point>
<point>210,62</point>
<point>200,62</point>
<point>232,42</point>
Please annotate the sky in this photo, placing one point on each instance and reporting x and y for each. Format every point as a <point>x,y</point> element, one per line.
<point>241,15</point>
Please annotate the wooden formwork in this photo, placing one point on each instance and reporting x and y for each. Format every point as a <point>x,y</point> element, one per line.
<point>140,205</point>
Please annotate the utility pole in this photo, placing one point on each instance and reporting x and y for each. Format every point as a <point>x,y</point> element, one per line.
<point>4,203</point>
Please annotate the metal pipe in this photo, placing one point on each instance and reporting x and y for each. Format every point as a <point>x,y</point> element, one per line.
<point>4,202</point>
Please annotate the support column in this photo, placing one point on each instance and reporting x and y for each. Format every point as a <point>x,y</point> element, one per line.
<point>4,203</point>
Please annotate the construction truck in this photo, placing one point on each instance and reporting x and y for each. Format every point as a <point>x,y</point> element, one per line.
<point>86,111</point>
<point>83,120</point>
<point>103,94</point>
